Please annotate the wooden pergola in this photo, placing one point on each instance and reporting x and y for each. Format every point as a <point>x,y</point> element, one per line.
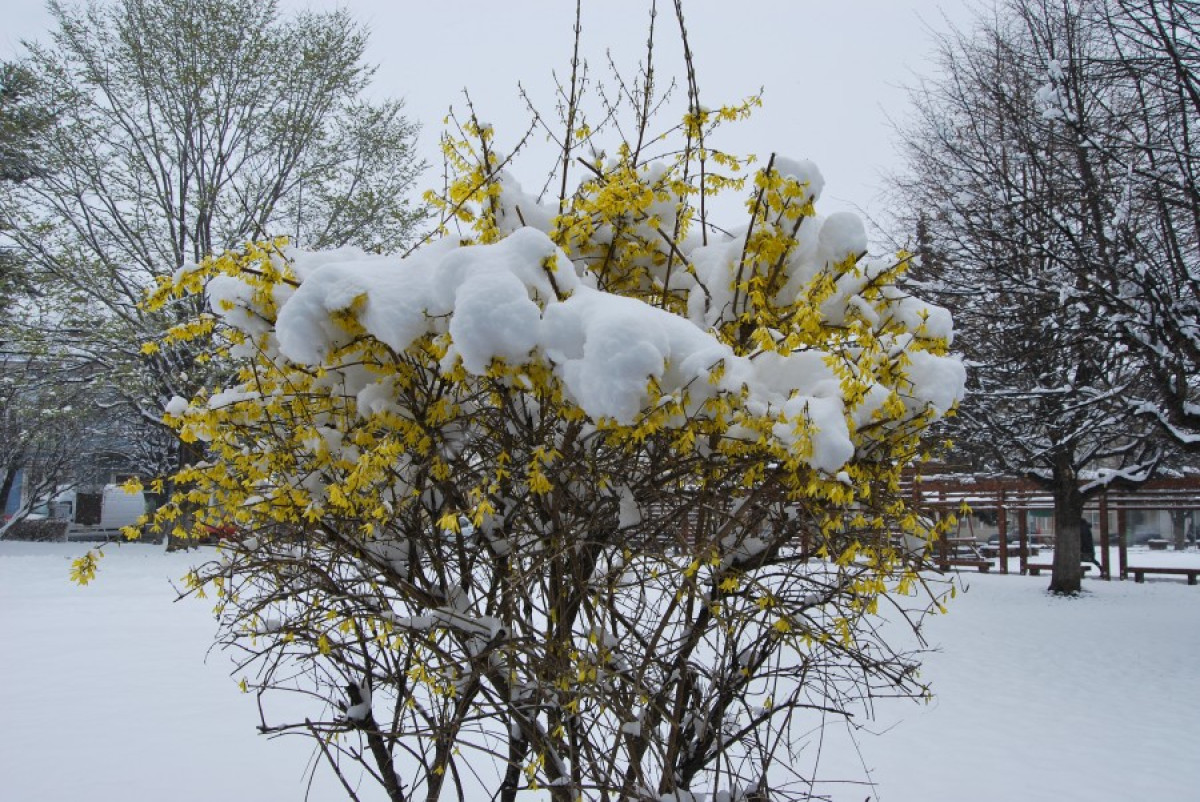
<point>1014,498</point>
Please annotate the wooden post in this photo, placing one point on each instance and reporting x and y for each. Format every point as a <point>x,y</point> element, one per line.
<point>1122,548</point>
<point>1023,534</point>
<point>943,541</point>
<point>806,544</point>
<point>1002,529</point>
<point>686,536</point>
<point>1104,557</point>
<point>916,506</point>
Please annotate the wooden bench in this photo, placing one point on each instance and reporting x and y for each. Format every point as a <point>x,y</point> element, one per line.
<point>960,552</point>
<point>1139,573</point>
<point>945,565</point>
<point>1035,569</point>
<point>993,552</point>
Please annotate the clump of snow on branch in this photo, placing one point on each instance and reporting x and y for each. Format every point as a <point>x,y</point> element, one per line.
<point>523,301</point>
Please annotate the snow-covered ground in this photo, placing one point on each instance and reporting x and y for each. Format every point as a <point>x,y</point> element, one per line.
<point>105,695</point>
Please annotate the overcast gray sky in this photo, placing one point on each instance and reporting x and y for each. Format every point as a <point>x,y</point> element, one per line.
<point>832,70</point>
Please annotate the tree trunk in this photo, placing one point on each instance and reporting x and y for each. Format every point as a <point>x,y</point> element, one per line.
<point>189,454</point>
<point>1179,527</point>
<point>10,479</point>
<point>1067,574</point>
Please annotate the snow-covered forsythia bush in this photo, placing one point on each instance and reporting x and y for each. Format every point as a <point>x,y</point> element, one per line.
<point>572,499</point>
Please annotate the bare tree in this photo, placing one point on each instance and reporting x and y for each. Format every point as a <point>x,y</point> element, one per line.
<point>1146,77</point>
<point>1016,219</point>
<point>43,419</point>
<point>22,124</point>
<point>182,128</point>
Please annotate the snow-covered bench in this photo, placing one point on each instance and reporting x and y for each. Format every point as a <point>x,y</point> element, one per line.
<point>1035,569</point>
<point>983,565</point>
<point>1139,572</point>
<point>960,552</point>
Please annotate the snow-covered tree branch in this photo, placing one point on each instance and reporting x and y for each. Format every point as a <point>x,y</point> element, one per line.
<point>181,129</point>
<point>1026,228</point>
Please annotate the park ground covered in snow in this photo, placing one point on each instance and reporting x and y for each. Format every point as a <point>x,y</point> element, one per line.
<point>108,693</point>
